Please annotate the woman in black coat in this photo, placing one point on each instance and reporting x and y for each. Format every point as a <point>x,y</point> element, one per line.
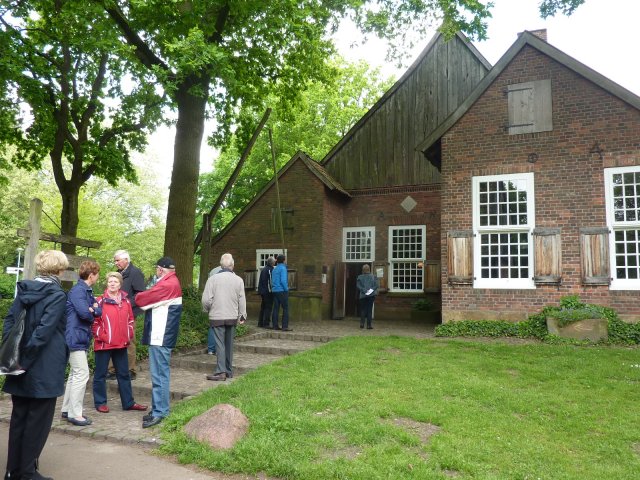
<point>43,356</point>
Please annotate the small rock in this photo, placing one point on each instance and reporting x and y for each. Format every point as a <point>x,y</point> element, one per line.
<point>221,426</point>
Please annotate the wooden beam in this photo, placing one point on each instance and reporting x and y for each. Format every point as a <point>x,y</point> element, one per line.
<point>234,175</point>
<point>76,260</point>
<point>35,216</point>
<point>51,237</point>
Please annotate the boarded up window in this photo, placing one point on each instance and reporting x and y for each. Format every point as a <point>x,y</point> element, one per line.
<point>460,257</point>
<point>250,279</point>
<point>292,279</point>
<point>432,276</point>
<point>548,255</point>
<point>594,252</point>
<point>287,219</point>
<point>530,108</point>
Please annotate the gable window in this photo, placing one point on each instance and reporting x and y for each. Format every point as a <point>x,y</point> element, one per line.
<point>530,108</point>
<point>358,244</point>
<point>406,257</point>
<point>287,219</point>
<point>622,187</point>
<point>503,222</point>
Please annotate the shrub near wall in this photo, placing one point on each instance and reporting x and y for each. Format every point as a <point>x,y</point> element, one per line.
<point>535,327</point>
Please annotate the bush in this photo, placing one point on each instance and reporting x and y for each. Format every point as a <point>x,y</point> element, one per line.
<point>620,333</point>
<point>423,305</point>
<point>7,286</point>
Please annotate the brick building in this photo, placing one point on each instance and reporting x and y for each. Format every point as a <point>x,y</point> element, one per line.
<point>491,191</point>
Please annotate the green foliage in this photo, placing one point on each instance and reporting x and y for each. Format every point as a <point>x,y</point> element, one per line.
<point>424,305</point>
<point>571,309</point>
<point>323,114</point>
<point>7,285</point>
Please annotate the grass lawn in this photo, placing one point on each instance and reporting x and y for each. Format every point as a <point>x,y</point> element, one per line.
<point>395,408</point>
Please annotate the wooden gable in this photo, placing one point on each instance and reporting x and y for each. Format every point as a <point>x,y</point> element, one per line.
<point>379,150</point>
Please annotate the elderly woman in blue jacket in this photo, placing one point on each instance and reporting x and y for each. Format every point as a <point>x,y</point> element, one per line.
<point>43,357</point>
<point>81,309</point>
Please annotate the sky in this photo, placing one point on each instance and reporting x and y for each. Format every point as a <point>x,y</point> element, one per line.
<point>602,34</point>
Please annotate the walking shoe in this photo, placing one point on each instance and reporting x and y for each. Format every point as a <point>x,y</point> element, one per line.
<point>64,414</point>
<point>211,353</point>
<point>132,374</point>
<point>220,377</point>
<point>80,423</point>
<point>146,417</point>
<point>151,422</point>
<point>137,407</point>
<point>287,329</point>
<point>369,327</point>
<point>103,408</point>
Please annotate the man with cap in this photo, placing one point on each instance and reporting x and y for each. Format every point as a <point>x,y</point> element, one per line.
<point>162,304</point>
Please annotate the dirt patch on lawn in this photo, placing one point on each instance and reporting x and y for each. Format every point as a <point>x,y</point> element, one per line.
<point>423,430</point>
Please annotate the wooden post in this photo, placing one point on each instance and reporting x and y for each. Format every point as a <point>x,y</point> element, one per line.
<point>35,218</point>
<point>205,251</point>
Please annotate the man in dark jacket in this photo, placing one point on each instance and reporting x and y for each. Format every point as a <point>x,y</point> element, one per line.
<point>264,289</point>
<point>132,283</point>
<point>43,356</point>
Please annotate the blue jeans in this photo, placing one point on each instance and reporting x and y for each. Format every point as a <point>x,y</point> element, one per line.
<point>211,341</point>
<point>280,298</point>
<point>159,367</point>
<point>121,364</point>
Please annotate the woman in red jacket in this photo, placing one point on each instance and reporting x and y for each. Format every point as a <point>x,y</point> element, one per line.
<point>112,333</point>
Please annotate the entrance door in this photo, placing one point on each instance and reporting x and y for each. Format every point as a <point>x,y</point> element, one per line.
<point>339,283</point>
<point>351,291</point>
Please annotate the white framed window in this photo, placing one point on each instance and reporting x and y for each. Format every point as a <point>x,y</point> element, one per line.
<point>406,257</point>
<point>503,222</point>
<point>358,244</point>
<point>622,194</point>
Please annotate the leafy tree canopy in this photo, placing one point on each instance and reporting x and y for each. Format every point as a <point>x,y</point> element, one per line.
<point>324,114</point>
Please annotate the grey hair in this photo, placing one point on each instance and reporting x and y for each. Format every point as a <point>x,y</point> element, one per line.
<point>271,261</point>
<point>226,260</point>
<point>366,268</point>
<point>123,254</point>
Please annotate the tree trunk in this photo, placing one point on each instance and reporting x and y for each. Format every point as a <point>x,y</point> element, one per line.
<point>181,214</point>
<point>69,217</point>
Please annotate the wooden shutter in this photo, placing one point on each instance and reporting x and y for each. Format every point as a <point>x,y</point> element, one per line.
<point>460,257</point>
<point>292,278</point>
<point>249,279</point>
<point>594,253</point>
<point>432,276</point>
<point>530,107</point>
<point>339,288</point>
<point>548,255</point>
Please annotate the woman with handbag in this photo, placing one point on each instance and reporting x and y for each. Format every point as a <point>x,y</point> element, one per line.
<point>43,356</point>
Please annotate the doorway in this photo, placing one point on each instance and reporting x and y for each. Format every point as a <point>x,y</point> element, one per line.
<point>352,271</point>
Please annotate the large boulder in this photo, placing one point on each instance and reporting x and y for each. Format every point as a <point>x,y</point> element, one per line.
<point>221,426</point>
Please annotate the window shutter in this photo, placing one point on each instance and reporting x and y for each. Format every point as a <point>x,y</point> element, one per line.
<point>250,279</point>
<point>594,252</point>
<point>530,107</point>
<point>548,255</point>
<point>432,276</point>
<point>460,257</point>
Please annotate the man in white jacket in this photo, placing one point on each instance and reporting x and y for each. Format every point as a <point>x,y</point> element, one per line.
<point>224,299</point>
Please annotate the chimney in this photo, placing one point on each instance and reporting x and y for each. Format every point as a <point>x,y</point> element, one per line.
<point>540,33</point>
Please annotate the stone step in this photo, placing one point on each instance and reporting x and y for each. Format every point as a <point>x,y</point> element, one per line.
<point>243,362</point>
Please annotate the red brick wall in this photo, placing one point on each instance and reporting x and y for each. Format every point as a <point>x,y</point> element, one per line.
<point>382,209</point>
<point>304,193</point>
<point>569,182</point>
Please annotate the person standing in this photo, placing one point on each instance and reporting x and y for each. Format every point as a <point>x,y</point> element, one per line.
<point>280,289</point>
<point>162,304</point>
<point>132,283</point>
<point>264,289</point>
<point>113,331</point>
<point>211,335</point>
<point>367,285</point>
<point>224,299</point>
<point>43,356</point>
<point>81,310</point>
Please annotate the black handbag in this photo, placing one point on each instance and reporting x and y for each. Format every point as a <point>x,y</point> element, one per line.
<point>10,348</point>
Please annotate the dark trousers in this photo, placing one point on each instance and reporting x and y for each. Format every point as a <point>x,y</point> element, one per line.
<point>366,310</point>
<point>280,298</point>
<point>31,420</point>
<point>120,361</point>
<point>224,349</point>
<point>264,319</point>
